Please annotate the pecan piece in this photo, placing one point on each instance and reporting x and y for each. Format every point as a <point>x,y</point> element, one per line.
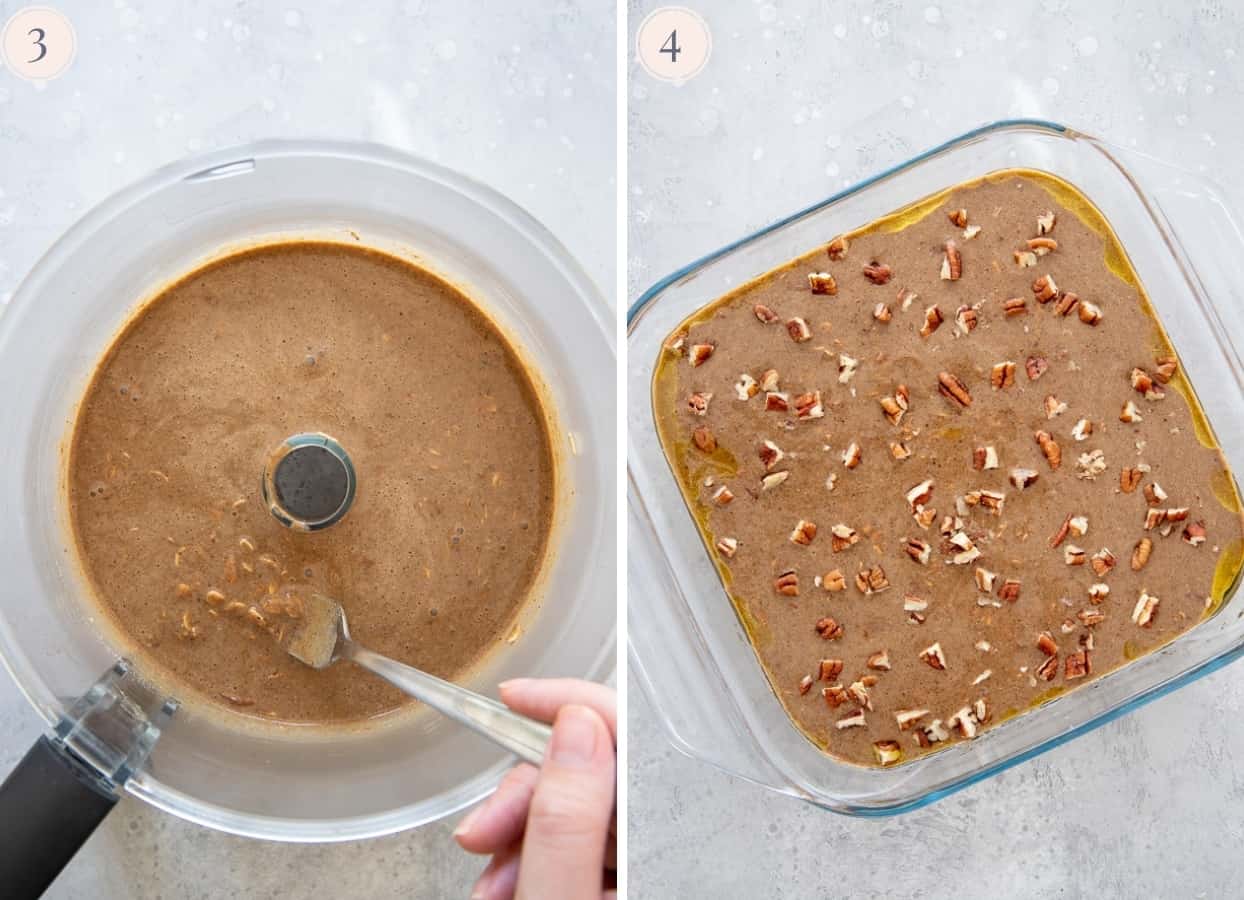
<point>1054,407</point>
<point>803,532</point>
<point>877,273</point>
<point>722,496</point>
<point>985,579</point>
<point>727,547</point>
<point>700,353</point>
<point>888,752</point>
<point>920,494</point>
<point>834,581</point>
<point>1167,367</point>
<point>1036,366</point>
<point>787,583</point>
<point>1024,478</point>
<point>704,438</point>
<point>1077,665</point>
<point>1045,223</point>
<point>835,695</point>
<point>829,669</point>
<point>798,330</point>
<point>1014,306</point>
<point>765,314</point>
<point>769,380</point>
<point>932,319</point>
<point>773,479</point>
<point>805,684</point>
<point>1046,644</point>
<point>1081,430</point>
<point>1060,535</point>
<point>746,387</point>
<point>828,629</point>
<point>958,218</point>
<point>899,450</point>
<point>950,387</point>
<point>1090,617</point>
<point>770,455</point>
<point>855,720</point>
<point>1042,245</point>
<point>934,656</point>
<point>1130,414</point>
<point>966,319</point>
<point>1048,669</point>
<point>1049,447</point>
<point>1140,553</point>
<point>698,403</point>
<point>1045,289</point>
<point>1074,556</point>
<point>1098,592</point>
<point>837,248</point>
<point>952,262</point>
<point>918,550</point>
<point>822,283</point>
<point>1145,610</point>
<point>1194,534</point>
<point>1154,495</point>
<point>808,406</point>
<point>852,456</point>
<point>1066,303</point>
<point>1010,590</point>
<point>1025,259</point>
<point>1002,375</point>
<point>777,402</point>
<point>1102,562</point>
<point>881,312</point>
<point>871,581</point>
<point>1090,313</point>
<point>880,661</point>
<point>842,537</point>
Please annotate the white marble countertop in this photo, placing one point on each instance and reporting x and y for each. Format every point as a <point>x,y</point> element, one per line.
<point>798,100</point>
<point>520,97</point>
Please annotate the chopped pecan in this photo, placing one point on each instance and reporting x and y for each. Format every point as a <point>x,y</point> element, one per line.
<point>843,536</point>
<point>934,656</point>
<point>1036,366</point>
<point>798,330</point>
<point>906,297</point>
<point>1066,303</point>
<point>966,319</point>
<point>787,583</point>
<point>858,691</point>
<point>1167,367</point>
<point>899,450</point>
<point>877,273</point>
<point>852,456</point>
<point>837,248</point>
<point>1090,465</point>
<point>985,458</point>
<point>1074,556</point>
<point>932,319</point>
<point>727,547</point>
<point>803,533</point>
<point>1077,665</point>
<point>1045,288</point>
<point>1142,383</point>
<point>1154,495</point>
<point>1014,306</point>
<point>952,262</point>
<point>950,387</point>
<point>829,669</point>
<point>1194,534</point>
<point>773,479</point>
<point>1025,259</point>
<point>1048,669</point>
<point>834,581</point>
<point>855,720</point>
<point>846,368</point>
<point>1049,447</point>
<point>1140,553</point>
<point>1002,375</point>
<point>765,314</point>
<point>1098,592</point>
<point>770,455</point>
<point>746,387</point>
<point>769,380</point>
<point>881,312</point>
<point>822,283</point>
<point>1130,413</point>
<point>918,550</point>
<point>676,343</point>
<point>1046,644</point>
<point>964,722</point>
<point>1042,245</point>
<point>985,579</point>
<point>879,661</point>
<point>888,752</point>
<point>777,402</point>
<point>1024,478</point>
<point>722,496</point>
<point>805,684</point>
<point>1081,430</point>
<point>971,231</point>
<point>1010,589</point>
<point>958,218</point>
<point>1054,407</point>
<point>828,629</point>
<point>704,438</point>
<point>1102,562</point>
<point>1145,610</point>
<point>1090,313</point>
<point>1045,223</point>
<point>835,695</point>
<point>1061,535</point>
<point>698,403</point>
<point>700,353</point>
<point>1090,617</point>
<point>920,494</point>
<point>809,406</point>
<point>872,581</point>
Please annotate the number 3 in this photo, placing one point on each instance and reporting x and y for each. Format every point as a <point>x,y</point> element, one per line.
<point>38,42</point>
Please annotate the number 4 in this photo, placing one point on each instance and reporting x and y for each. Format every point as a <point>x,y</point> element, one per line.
<point>671,46</point>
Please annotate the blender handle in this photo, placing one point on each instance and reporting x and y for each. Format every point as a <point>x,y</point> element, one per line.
<point>49,805</point>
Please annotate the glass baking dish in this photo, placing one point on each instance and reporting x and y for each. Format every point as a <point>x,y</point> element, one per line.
<point>688,650</point>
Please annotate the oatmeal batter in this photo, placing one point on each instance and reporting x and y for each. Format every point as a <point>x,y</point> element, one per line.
<point>949,466</point>
<point>449,527</point>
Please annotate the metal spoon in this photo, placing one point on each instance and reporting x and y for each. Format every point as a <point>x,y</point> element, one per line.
<point>322,637</point>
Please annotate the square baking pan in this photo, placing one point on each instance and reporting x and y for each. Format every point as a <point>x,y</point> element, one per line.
<point>688,650</point>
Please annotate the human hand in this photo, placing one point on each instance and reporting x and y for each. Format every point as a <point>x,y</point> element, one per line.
<point>551,831</point>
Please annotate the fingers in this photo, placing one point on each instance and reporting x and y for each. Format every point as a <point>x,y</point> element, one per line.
<point>498,822</point>
<point>499,879</point>
<point>568,824</point>
<point>541,698</point>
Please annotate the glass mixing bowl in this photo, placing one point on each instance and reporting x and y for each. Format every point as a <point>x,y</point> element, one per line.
<point>256,782</point>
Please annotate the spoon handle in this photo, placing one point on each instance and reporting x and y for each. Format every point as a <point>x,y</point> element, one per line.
<point>522,736</point>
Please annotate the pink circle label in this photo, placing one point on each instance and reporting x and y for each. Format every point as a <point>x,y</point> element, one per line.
<point>673,43</point>
<point>38,43</point>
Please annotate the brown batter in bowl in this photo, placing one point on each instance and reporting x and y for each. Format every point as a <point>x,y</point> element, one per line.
<point>447,534</point>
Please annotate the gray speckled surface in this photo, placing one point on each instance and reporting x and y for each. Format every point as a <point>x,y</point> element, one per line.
<point>521,97</point>
<point>798,100</point>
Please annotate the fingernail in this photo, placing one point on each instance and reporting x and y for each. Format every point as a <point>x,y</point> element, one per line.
<point>465,826</point>
<point>480,891</point>
<point>574,736</point>
<point>512,683</point>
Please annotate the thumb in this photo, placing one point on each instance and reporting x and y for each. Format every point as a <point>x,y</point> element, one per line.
<point>568,823</point>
